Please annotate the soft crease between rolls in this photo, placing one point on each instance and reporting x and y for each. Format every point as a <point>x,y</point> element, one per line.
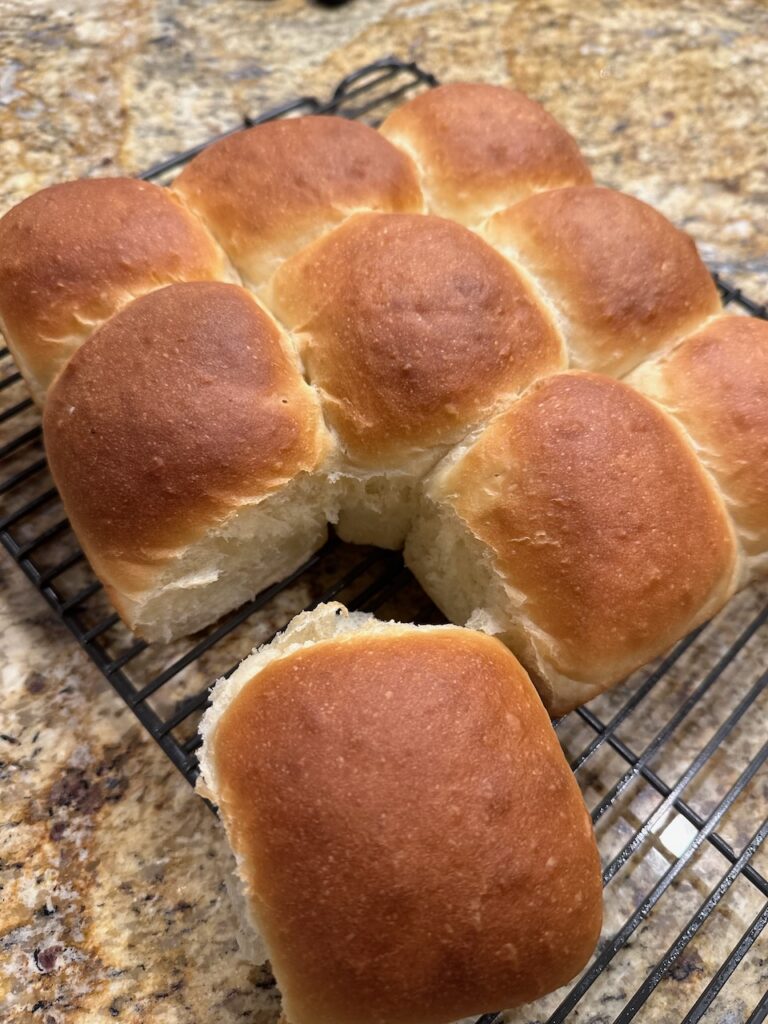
<point>266,192</point>
<point>716,386</point>
<point>624,283</point>
<point>480,148</point>
<point>73,255</point>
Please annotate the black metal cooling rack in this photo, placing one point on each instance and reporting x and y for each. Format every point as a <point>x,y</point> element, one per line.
<point>672,763</point>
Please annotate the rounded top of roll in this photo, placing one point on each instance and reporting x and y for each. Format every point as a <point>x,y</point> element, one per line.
<point>412,328</point>
<point>268,191</point>
<point>482,147</point>
<point>73,254</point>
<point>381,900</point>
<point>599,513</point>
<point>626,283</point>
<point>186,405</point>
<point>716,384</point>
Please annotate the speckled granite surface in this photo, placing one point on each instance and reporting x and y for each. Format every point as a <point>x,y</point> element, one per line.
<point>113,901</point>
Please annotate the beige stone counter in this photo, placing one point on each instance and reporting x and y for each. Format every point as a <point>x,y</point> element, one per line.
<point>113,899</point>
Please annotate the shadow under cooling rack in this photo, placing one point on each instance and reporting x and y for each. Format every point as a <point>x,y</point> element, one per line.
<point>672,763</point>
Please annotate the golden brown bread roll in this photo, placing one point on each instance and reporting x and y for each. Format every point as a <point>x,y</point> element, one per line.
<point>413,332</point>
<point>268,191</point>
<point>73,255</point>
<point>579,527</point>
<point>624,283</point>
<point>186,448</point>
<point>412,329</point>
<point>479,148</point>
<point>716,385</point>
<point>411,844</point>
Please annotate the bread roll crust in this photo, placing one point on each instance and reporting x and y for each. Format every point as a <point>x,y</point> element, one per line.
<point>482,147</point>
<point>388,902</point>
<point>716,385</point>
<point>182,408</point>
<point>74,254</point>
<point>268,191</point>
<point>624,281</point>
<point>412,328</point>
<point>600,520</point>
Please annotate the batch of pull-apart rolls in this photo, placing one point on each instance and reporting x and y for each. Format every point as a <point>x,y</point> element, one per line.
<point>440,335</point>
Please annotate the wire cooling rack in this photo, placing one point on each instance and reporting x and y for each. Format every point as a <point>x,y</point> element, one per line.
<point>672,763</point>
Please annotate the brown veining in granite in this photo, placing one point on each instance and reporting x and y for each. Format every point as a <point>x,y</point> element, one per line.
<point>112,871</point>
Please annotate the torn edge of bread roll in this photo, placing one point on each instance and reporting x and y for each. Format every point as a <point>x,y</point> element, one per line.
<point>388,790</point>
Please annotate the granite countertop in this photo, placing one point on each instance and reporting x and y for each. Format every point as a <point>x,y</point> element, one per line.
<point>113,872</point>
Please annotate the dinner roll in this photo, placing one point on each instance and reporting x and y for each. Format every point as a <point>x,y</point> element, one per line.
<point>411,844</point>
<point>268,191</point>
<point>480,148</point>
<point>74,254</point>
<point>581,528</point>
<point>625,283</point>
<point>412,329</point>
<point>716,385</point>
<point>186,448</point>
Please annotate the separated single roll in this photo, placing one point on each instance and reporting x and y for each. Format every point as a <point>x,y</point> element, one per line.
<point>625,283</point>
<point>582,529</point>
<point>74,254</point>
<point>716,385</point>
<point>480,148</point>
<point>268,191</point>
<point>412,329</point>
<point>186,448</point>
<point>411,844</point>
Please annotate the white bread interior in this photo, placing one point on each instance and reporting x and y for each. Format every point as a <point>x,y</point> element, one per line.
<point>262,542</point>
<point>377,506</point>
<point>457,571</point>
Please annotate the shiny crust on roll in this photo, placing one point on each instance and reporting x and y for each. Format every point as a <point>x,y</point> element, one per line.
<point>268,191</point>
<point>480,148</point>
<point>412,328</point>
<point>623,281</point>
